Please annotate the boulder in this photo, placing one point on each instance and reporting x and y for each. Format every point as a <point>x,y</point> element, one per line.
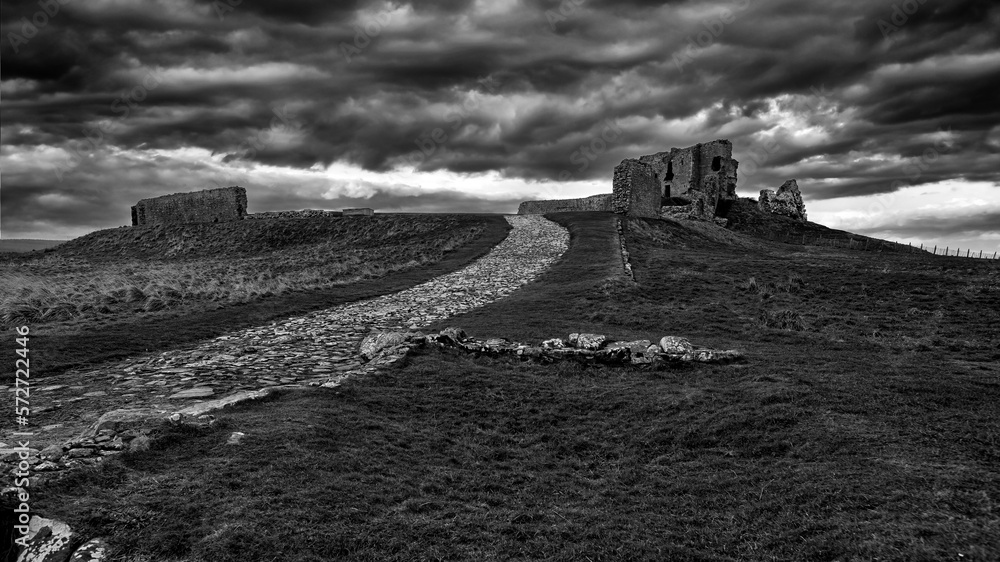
<point>374,343</point>
<point>787,201</point>
<point>452,335</point>
<point>49,541</point>
<point>590,342</point>
<point>675,345</point>
<point>637,350</point>
<point>125,419</point>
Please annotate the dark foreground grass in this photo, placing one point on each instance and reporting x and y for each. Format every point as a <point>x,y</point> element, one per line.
<point>864,425</point>
<point>456,458</point>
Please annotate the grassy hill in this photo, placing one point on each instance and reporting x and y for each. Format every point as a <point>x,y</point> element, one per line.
<point>863,425</point>
<point>121,291</point>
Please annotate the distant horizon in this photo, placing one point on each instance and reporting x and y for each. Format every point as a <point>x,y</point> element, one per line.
<point>884,112</point>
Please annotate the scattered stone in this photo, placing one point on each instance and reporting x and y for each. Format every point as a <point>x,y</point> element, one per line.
<point>80,453</point>
<point>454,335</point>
<point>674,344</point>
<point>713,356</point>
<point>235,438</point>
<point>51,453</point>
<point>590,342</point>
<point>554,343</point>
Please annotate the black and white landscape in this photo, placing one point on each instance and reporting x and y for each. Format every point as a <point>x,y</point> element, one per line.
<point>499,280</point>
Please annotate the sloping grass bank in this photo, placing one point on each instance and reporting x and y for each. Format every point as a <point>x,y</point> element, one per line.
<point>300,265</point>
<point>827,444</point>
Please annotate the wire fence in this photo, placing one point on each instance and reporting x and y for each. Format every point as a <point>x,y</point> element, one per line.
<point>866,244</point>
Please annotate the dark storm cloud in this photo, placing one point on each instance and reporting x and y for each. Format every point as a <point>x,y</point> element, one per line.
<point>528,92</point>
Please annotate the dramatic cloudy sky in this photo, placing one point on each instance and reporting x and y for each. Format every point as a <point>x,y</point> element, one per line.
<point>886,112</point>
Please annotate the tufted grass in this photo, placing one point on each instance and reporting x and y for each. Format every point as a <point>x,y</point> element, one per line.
<point>870,434</point>
<point>111,294</point>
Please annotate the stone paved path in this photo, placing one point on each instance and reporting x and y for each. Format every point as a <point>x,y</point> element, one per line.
<point>319,347</point>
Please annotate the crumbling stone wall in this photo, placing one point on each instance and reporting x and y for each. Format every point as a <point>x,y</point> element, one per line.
<point>600,202</point>
<point>787,201</point>
<point>636,189</point>
<point>303,214</point>
<point>211,205</point>
<point>703,175</point>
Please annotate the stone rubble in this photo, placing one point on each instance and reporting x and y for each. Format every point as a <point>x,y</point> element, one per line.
<point>787,201</point>
<point>585,348</point>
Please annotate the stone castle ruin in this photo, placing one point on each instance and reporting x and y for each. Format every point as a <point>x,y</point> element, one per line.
<point>697,182</point>
<point>224,204</point>
<point>787,201</point>
<point>600,202</point>
<point>211,205</point>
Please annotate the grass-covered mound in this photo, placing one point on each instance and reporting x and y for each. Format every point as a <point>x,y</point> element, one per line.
<point>122,291</point>
<point>864,425</point>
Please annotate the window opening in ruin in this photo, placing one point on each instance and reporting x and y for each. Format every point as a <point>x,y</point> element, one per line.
<point>670,172</point>
<point>716,163</point>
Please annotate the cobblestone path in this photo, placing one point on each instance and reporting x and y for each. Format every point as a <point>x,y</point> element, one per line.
<point>315,348</point>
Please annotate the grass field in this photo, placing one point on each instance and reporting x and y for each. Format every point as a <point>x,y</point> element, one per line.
<point>864,425</point>
<point>119,292</point>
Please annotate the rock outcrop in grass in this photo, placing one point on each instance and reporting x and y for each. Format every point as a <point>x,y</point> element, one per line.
<point>585,348</point>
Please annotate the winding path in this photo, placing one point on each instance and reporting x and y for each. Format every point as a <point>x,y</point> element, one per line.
<point>316,348</point>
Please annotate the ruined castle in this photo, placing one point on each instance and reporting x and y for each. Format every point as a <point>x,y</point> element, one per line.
<point>697,182</point>
<point>224,204</point>
<point>211,205</point>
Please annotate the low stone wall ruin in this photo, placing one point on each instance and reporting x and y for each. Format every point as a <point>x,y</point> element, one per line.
<point>600,202</point>
<point>636,189</point>
<point>303,214</point>
<point>211,205</point>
